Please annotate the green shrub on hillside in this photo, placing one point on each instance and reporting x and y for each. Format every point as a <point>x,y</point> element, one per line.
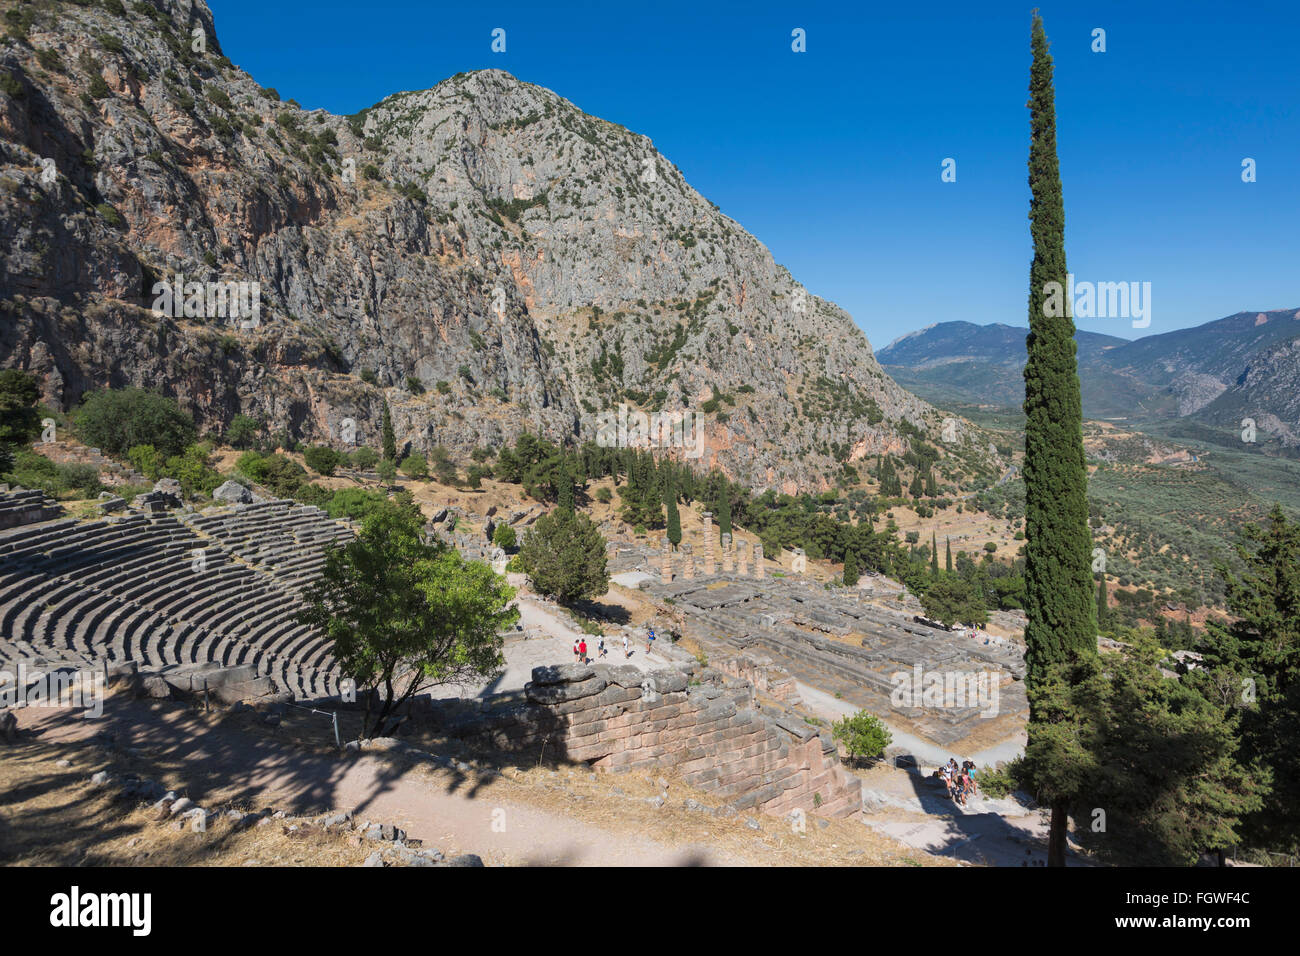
<point>118,419</point>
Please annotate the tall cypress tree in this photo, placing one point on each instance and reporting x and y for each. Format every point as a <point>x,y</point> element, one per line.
<point>674,519</point>
<point>724,511</point>
<point>947,558</point>
<point>934,555</point>
<point>1059,601</point>
<point>389,439</point>
<point>1103,605</point>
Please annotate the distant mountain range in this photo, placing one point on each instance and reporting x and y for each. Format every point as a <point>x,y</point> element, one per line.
<point>1244,366</point>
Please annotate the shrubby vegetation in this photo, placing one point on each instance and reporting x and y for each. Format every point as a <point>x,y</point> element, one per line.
<point>119,419</point>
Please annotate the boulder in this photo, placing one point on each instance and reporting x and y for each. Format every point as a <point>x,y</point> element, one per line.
<point>8,726</point>
<point>232,492</point>
<point>168,486</point>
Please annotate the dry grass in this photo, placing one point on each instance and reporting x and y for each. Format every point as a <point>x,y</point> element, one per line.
<point>51,815</point>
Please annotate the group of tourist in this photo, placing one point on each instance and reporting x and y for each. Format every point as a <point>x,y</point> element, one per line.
<point>580,647</point>
<point>959,780</point>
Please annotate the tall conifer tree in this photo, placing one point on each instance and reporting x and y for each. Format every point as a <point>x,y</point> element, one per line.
<point>389,439</point>
<point>1059,600</point>
<point>674,519</point>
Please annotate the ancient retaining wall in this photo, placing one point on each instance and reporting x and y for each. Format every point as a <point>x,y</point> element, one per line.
<point>618,718</point>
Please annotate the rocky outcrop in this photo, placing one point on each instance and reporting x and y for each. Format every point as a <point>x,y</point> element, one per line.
<point>482,255</point>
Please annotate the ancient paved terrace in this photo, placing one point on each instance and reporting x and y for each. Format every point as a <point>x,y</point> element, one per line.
<point>833,639</point>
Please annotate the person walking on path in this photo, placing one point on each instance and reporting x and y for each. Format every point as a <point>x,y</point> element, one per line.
<point>649,638</point>
<point>627,651</point>
<point>582,651</point>
<point>576,659</point>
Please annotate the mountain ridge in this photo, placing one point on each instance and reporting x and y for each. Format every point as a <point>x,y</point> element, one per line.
<point>1216,372</point>
<point>498,261</point>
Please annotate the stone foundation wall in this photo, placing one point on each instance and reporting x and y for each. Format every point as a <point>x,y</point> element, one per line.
<point>764,673</point>
<point>617,718</point>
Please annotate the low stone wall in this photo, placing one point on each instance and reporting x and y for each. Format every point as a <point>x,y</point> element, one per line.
<point>765,674</point>
<point>616,718</point>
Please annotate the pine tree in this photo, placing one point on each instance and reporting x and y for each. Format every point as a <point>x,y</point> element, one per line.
<point>915,489</point>
<point>564,493</point>
<point>1059,601</point>
<point>674,519</point>
<point>947,560</point>
<point>390,440</point>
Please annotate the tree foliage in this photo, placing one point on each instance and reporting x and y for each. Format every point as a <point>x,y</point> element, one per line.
<point>564,556</point>
<point>405,614</point>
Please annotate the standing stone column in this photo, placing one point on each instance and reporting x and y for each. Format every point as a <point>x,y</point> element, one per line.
<point>742,558</point>
<point>726,553</point>
<point>800,563</point>
<point>668,560</point>
<point>759,571</point>
<point>709,567</point>
<point>688,563</point>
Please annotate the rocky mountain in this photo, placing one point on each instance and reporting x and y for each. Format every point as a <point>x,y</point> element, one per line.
<point>482,255</point>
<point>1244,365</point>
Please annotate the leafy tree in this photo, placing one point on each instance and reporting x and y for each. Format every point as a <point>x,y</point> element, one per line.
<point>243,431</point>
<point>118,419</point>
<point>952,599</point>
<point>389,439</point>
<point>147,460</point>
<point>444,469</point>
<point>1059,601</point>
<point>193,469</point>
<point>415,467</point>
<point>863,735</point>
<point>359,503</point>
<point>1154,754</point>
<point>321,459</point>
<point>1260,646</point>
<point>280,474</point>
<point>503,536</point>
<point>405,614</point>
<point>387,471</point>
<point>564,556</point>
<point>365,458</point>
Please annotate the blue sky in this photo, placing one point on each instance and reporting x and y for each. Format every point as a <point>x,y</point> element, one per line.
<point>832,157</point>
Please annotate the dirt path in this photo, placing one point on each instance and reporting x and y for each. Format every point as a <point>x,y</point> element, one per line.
<point>445,809</point>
